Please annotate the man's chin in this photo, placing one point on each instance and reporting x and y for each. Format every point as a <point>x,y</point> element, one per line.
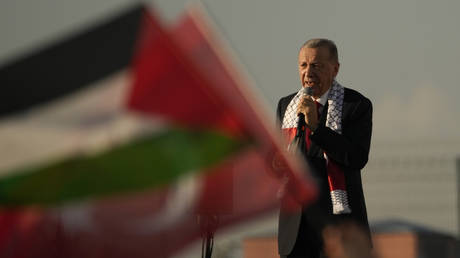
<point>314,87</point>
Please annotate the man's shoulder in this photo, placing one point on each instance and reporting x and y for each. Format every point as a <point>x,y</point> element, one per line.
<point>286,99</point>
<point>353,96</point>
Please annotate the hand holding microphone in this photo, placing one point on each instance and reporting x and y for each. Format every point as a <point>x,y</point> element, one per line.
<point>307,110</point>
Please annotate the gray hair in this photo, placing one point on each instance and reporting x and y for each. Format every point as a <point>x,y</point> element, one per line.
<point>327,43</point>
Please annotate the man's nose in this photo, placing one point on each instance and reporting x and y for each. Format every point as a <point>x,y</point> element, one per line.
<point>308,71</point>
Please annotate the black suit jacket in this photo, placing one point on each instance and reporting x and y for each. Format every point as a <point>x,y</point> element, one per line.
<point>350,150</point>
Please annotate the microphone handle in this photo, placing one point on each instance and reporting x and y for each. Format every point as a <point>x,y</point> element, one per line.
<point>306,91</point>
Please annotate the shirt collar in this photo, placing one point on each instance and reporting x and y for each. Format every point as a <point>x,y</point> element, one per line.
<point>323,99</point>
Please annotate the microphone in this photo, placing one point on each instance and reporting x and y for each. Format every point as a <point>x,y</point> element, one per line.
<point>306,91</point>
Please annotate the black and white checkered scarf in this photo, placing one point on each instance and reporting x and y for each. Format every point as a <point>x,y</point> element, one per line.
<point>336,176</point>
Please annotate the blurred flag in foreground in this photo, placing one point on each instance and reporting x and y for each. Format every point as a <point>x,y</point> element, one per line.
<point>157,148</point>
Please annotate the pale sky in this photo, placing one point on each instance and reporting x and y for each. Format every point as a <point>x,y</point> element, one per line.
<point>401,54</point>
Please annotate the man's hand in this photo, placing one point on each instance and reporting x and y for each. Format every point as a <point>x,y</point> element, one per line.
<point>307,106</point>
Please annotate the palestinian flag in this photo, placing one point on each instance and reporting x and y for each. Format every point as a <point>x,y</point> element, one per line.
<point>122,137</point>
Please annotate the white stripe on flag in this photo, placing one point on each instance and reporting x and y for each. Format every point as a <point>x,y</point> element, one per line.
<point>87,121</point>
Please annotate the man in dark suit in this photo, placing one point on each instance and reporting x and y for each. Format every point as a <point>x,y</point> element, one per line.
<point>339,127</point>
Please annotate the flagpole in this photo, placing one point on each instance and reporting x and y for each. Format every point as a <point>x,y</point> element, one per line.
<point>208,226</point>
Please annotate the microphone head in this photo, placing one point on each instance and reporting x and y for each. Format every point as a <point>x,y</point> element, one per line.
<point>307,91</point>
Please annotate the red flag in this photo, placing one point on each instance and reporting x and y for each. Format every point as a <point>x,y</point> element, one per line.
<point>168,85</point>
<point>195,37</point>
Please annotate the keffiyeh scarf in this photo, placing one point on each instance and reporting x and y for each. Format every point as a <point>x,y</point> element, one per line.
<point>335,174</point>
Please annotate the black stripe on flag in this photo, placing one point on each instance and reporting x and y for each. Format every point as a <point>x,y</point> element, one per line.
<point>69,65</point>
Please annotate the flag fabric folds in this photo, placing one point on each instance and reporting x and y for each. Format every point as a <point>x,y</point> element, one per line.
<point>206,153</point>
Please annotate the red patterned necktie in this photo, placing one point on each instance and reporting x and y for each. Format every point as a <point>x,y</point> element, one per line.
<point>308,131</point>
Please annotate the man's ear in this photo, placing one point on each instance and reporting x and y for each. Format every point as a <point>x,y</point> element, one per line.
<point>336,69</point>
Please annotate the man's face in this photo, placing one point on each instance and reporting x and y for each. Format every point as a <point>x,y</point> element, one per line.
<point>316,70</point>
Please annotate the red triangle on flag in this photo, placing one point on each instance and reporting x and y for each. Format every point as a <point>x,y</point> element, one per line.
<point>168,85</point>
<point>198,42</point>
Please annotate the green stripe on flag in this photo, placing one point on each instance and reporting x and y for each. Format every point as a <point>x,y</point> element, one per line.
<point>144,164</point>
